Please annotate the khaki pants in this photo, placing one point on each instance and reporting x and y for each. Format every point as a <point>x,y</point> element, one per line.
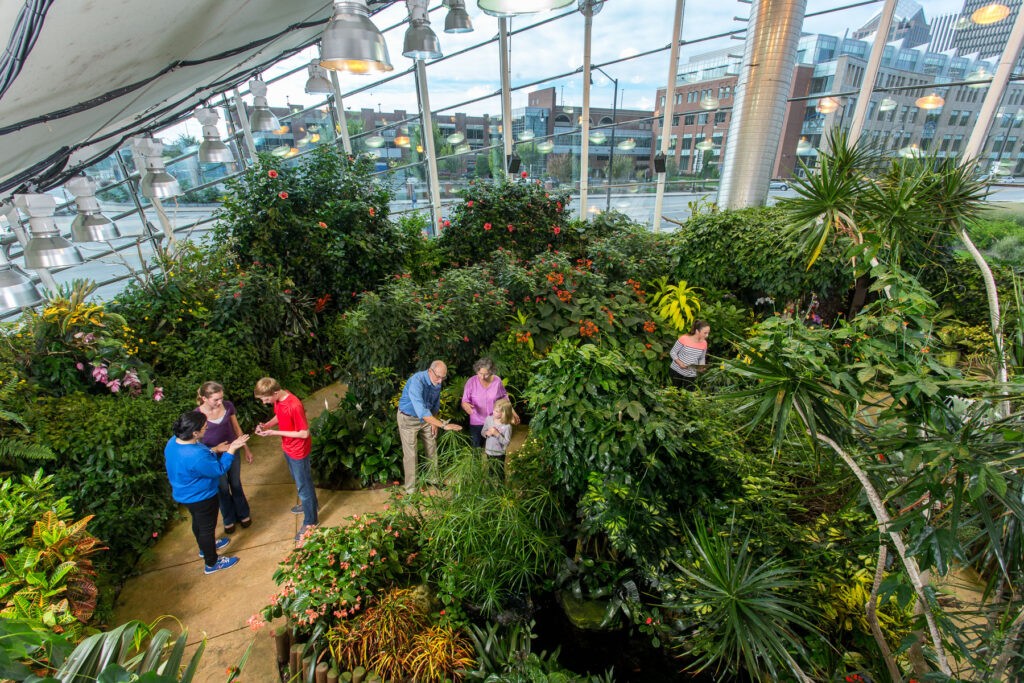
<point>408,429</point>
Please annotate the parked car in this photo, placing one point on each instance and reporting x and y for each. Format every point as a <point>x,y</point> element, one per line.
<point>778,185</point>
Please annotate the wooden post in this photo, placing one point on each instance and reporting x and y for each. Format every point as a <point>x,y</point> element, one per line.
<point>358,674</point>
<point>332,676</point>
<point>295,663</point>
<point>282,644</point>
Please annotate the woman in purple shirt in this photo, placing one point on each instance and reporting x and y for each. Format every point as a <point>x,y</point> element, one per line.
<point>478,397</point>
<point>221,429</point>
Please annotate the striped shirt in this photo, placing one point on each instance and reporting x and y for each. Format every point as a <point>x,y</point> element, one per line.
<point>687,355</point>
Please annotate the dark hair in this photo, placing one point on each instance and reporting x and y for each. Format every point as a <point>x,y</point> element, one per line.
<point>186,426</point>
<point>483,363</point>
<point>698,325</point>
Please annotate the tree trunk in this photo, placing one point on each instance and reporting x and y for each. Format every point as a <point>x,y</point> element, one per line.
<point>871,611</point>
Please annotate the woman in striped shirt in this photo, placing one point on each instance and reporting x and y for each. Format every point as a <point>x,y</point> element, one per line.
<point>688,355</point>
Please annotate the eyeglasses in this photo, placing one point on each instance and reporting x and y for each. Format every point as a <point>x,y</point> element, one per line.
<point>440,378</point>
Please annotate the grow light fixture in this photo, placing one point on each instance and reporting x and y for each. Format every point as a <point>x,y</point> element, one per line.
<point>262,119</point>
<point>887,104</point>
<point>317,82</point>
<point>804,147</point>
<point>457,20</point>
<point>211,149</point>
<point>420,40</point>
<point>930,101</point>
<point>510,8</point>
<point>16,288</point>
<point>545,146</point>
<point>627,145</point>
<point>527,135</point>
<point>598,137</point>
<point>90,225</point>
<point>46,248</point>
<point>705,145</point>
<point>990,14</point>
<point>979,78</point>
<point>709,102</point>
<point>351,43</point>
<point>156,182</point>
<point>456,138</point>
<point>827,105</point>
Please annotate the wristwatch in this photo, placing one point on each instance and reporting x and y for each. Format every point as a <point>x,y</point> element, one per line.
<point>444,423</point>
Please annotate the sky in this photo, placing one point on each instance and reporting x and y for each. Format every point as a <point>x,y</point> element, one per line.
<point>622,28</point>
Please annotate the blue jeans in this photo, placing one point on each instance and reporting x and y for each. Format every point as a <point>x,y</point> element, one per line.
<point>234,506</point>
<point>303,476</point>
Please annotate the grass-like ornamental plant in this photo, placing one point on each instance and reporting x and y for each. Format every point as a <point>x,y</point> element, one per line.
<point>744,613</point>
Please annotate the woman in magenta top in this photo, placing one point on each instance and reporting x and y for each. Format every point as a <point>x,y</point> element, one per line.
<point>479,395</point>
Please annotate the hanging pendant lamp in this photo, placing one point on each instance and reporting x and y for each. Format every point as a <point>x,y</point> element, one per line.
<point>156,182</point>
<point>212,150</point>
<point>317,82</point>
<point>457,20</point>
<point>90,225</point>
<point>46,248</point>
<point>351,43</point>
<point>262,119</point>
<point>16,287</point>
<point>510,8</point>
<point>420,40</point>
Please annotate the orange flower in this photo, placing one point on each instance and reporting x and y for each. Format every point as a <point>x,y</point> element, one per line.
<point>282,194</point>
<point>322,224</point>
<point>649,326</point>
<point>564,295</point>
<point>373,212</point>
<point>272,173</point>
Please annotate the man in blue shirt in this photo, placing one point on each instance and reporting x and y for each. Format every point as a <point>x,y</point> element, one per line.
<point>420,402</point>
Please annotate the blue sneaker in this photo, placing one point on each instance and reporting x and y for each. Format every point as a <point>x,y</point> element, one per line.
<point>223,562</point>
<point>221,542</point>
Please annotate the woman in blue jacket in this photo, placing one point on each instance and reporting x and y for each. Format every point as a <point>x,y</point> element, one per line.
<point>194,471</point>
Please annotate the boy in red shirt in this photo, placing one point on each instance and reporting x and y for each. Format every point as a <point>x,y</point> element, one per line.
<point>293,428</point>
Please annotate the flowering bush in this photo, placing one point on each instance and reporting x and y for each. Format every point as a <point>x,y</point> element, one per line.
<point>520,216</point>
<point>338,570</point>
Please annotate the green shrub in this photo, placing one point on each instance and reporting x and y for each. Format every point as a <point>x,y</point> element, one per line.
<point>110,464</point>
<point>322,224</point>
<point>346,446</point>
<point>749,253</point>
<point>630,457</point>
<point>985,233</point>
<point>520,216</point>
<point>23,500</point>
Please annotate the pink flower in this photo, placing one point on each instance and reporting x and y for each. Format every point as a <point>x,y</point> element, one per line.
<point>114,386</point>
<point>487,226</point>
<point>470,203</point>
<point>256,622</point>
<point>282,194</point>
<point>272,173</point>
<point>158,394</point>
<point>79,366</point>
<point>99,373</point>
<point>511,227</point>
<point>556,230</point>
<point>155,534</point>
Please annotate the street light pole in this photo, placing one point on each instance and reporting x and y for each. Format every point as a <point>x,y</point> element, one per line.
<point>611,147</point>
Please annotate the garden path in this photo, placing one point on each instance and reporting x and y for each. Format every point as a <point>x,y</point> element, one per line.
<point>216,608</point>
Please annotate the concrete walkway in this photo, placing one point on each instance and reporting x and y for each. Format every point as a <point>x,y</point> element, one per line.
<point>171,582</point>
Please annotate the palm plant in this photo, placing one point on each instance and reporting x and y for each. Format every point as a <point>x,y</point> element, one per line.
<point>748,615</point>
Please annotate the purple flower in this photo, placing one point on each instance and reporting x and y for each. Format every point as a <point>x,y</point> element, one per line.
<point>89,338</point>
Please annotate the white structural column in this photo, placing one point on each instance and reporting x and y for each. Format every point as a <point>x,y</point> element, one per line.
<point>769,57</point>
<point>427,123</point>
<point>867,85</point>
<point>506,95</point>
<point>339,112</point>
<point>996,89</point>
<point>243,121</point>
<point>588,25</point>
<point>666,124</point>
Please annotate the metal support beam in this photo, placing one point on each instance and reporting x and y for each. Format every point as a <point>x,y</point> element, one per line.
<point>867,85</point>
<point>243,121</point>
<point>506,93</point>
<point>588,26</point>
<point>996,89</point>
<point>427,123</point>
<point>666,124</point>
<point>339,111</point>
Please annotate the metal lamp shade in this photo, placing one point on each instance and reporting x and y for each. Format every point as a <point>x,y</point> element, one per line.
<point>457,20</point>
<point>93,227</point>
<point>351,43</point>
<point>159,184</point>
<point>51,251</point>
<point>213,151</point>
<point>510,8</point>
<point>263,120</point>
<point>421,43</point>
<point>318,85</point>
<point>16,288</point>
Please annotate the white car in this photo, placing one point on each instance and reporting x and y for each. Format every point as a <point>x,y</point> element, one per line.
<point>778,185</point>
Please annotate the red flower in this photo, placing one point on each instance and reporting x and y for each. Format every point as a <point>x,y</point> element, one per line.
<point>556,230</point>
<point>511,227</point>
<point>523,174</point>
<point>487,226</point>
<point>446,223</point>
<point>470,203</point>
<point>282,194</point>
<point>465,338</point>
<point>272,173</point>
<point>322,224</point>
<point>649,620</point>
